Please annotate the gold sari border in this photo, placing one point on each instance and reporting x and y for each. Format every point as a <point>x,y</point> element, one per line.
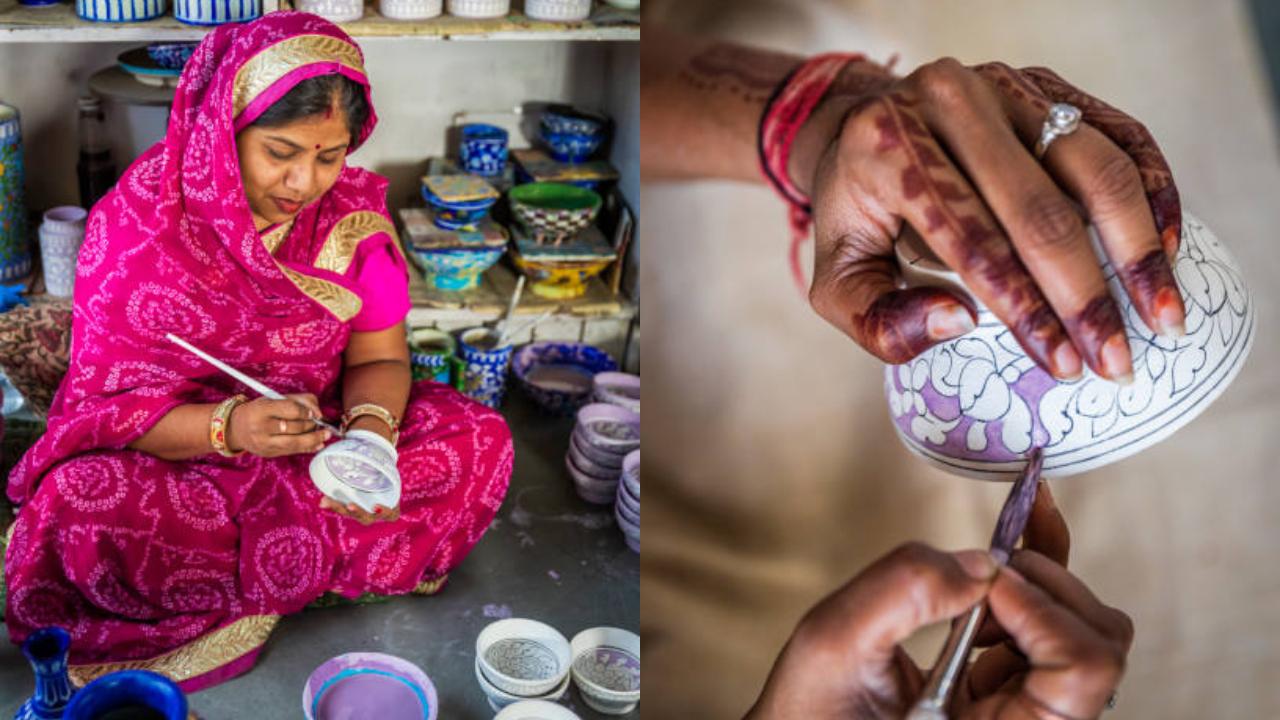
<point>262,70</point>
<point>202,655</point>
<point>340,245</point>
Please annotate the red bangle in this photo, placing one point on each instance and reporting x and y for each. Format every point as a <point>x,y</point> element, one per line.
<point>792,103</point>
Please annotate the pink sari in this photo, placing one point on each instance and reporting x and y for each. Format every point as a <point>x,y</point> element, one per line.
<point>184,567</point>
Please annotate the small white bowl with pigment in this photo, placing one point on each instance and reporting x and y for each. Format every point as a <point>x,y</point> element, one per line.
<point>606,669</point>
<point>522,657</point>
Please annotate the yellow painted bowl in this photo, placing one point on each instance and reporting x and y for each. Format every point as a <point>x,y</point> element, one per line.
<point>560,279</point>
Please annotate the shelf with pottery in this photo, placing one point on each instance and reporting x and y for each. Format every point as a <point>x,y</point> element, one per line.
<point>59,23</point>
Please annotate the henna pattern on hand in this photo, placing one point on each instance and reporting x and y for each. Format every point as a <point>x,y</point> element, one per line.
<point>1150,282</point>
<point>1132,137</point>
<point>983,250</point>
<point>1093,326</point>
<point>743,72</point>
<point>895,328</point>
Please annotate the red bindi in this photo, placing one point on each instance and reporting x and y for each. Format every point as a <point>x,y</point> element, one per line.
<point>317,146</point>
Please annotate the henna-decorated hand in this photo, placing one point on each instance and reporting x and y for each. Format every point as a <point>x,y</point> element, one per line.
<point>946,149</point>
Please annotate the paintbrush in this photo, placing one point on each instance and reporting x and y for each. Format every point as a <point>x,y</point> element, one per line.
<point>257,387</point>
<point>954,657</point>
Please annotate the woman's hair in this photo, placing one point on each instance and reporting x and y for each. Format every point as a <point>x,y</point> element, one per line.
<point>314,96</point>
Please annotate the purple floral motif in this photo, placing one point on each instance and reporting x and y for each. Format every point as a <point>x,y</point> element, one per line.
<point>977,404</point>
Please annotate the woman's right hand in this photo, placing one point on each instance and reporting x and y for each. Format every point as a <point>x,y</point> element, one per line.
<point>275,428</point>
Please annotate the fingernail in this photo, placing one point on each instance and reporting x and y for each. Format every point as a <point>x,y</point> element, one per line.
<point>1117,363</point>
<point>948,321</point>
<point>1169,238</point>
<point>1170,314</point>
<point>1067,364</point>
<point>377,510</point>
<point>978,564</point>
<point>283,427</point>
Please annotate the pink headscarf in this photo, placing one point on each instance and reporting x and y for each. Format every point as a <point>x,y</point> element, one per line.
<point>173,248</point>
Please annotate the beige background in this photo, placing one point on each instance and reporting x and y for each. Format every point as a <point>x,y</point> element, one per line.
<point>772,473</point>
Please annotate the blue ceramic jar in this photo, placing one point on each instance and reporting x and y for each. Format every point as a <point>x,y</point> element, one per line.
<point>483,150</point>
<point>129,693</point>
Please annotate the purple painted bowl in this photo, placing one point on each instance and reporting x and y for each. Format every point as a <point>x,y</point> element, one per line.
<point>603,458</point>
<point>589,466</point>
<point>618,388</point>
<point>976,405</point>
<point>369,685</point>
<point>593,490</point>
<point>609,427</point>
<point>606,668</point>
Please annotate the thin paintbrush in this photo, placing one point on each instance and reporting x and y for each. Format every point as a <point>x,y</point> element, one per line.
<point>258,387</point>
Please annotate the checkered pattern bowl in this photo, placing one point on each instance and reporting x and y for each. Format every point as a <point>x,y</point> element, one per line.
<point>554,209</point>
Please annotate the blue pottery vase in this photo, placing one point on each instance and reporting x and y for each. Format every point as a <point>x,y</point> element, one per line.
<point>484,371</point>
<point>46,649</point>
<point>15,249</point>
<point>133,694</point>
<point>484,149</point>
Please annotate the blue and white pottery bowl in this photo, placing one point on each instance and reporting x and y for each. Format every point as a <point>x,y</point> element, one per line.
<point>522,657</point>
<point>120,10</point>
<point>558,376</point>
<point>457,214</point>
<point>171,55</point>
<point>606,666</point>
<point>572,147</point>
<point>483,149</point>
<point>431,354</point>
<point>455,268</point>
<point>484,366</point>
<point>554,122</point>
<point>369,685</point>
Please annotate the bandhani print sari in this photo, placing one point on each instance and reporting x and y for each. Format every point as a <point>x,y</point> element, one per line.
<point>184,568</point>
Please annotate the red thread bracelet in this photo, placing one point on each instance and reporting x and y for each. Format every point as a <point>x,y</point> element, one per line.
<point>792,103</point>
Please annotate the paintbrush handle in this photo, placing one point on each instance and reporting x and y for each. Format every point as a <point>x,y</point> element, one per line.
<point>951,664</point>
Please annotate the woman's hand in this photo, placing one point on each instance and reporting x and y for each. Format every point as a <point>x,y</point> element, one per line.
<point>355,512</point>
<point>275,428</point>
<point>1055,647</point>
<point>946,149</point>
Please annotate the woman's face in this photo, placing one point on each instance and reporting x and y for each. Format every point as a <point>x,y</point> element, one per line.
<point>287,167</point>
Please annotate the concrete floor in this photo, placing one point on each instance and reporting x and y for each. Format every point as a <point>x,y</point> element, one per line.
<point>549,556</point>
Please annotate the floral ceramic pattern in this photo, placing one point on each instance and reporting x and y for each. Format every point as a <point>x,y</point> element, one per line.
<point>483,150</point>
<point>455,269</point>
<point>611,668</point>
<point>975,405</point>
<point>523,659</point>
<point>485,374</point>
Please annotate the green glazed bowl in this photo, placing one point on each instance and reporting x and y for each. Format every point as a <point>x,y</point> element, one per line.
<point>556,210</point>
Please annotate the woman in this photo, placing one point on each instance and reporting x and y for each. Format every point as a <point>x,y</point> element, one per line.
<point>159,542</point>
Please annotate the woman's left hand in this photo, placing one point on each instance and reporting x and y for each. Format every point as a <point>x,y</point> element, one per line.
<point>358,513</point>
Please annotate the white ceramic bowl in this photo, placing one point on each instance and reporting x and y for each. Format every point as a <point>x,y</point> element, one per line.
<point>976,405</point>
<point>589,466</point>
<point>610,459</point>
<point>609,427</point>
<point>606,669</point>
<point>522,657</point>
<point>334,10</point>
<point>558,10</point>
<point>536,710</point>
<point>479,8</point>
<point>410,9</point>
<point>599,492</point>
<point>499,699</point>
<point>617,388</point>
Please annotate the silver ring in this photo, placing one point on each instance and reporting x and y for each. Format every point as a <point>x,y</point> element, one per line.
<point>1063,119</point>
<point>1111,701</point>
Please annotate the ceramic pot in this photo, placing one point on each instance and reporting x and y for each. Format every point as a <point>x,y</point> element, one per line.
<point>61,234</point>
<point>171,55</point>
<point>606,668</point>
<point>484,366</point>
<point>431,356</point>
<point>129,693</point>
<point>479,8</point>
<point>483,149</point>
<point>558,10</point>
<point>554,210</point>
<point>46,650</point>
<point>15,253</point>
<point>458,202</point>
<point>120,10</point>
<point>334,10</point>
<point>522,657</point>
<point>410,9</point>
<point>500,699</point>
<point>369,685</point>
<point>216,12</point>
<point>977,404</point>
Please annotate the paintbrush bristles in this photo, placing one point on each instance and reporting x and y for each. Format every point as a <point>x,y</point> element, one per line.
<point>1017,509</point>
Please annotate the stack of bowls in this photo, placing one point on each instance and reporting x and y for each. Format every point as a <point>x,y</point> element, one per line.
<point>572,138</point>
<point>519,659</point>
<point>606,669</point>
<point>458,202</point>
<point>617,388</point>
<point>603,437</point>
<point>626,510</point>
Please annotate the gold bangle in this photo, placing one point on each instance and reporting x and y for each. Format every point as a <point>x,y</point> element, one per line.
<point>377,411</point>
<point>220,422</point>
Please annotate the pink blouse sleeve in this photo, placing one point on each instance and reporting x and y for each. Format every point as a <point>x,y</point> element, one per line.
<point>382,281</point>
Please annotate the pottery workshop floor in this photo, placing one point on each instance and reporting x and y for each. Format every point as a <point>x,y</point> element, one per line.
<point>549,556</point>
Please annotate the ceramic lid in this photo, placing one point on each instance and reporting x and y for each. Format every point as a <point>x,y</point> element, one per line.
<point>459,188</point>
<point>421,232</point>
<point>540,166</point>
<point>587,246</point>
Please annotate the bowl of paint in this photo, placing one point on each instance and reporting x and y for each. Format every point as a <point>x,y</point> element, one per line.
<point>500,699</point>
<point>559,376</point>
<point>606,669</point>
<point>522,657</point>
<point>369,685</point>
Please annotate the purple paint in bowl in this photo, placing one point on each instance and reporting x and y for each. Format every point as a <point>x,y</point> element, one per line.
<point>369,685</point>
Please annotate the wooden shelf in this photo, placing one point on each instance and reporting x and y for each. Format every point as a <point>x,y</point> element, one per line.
<point>59,23</point>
